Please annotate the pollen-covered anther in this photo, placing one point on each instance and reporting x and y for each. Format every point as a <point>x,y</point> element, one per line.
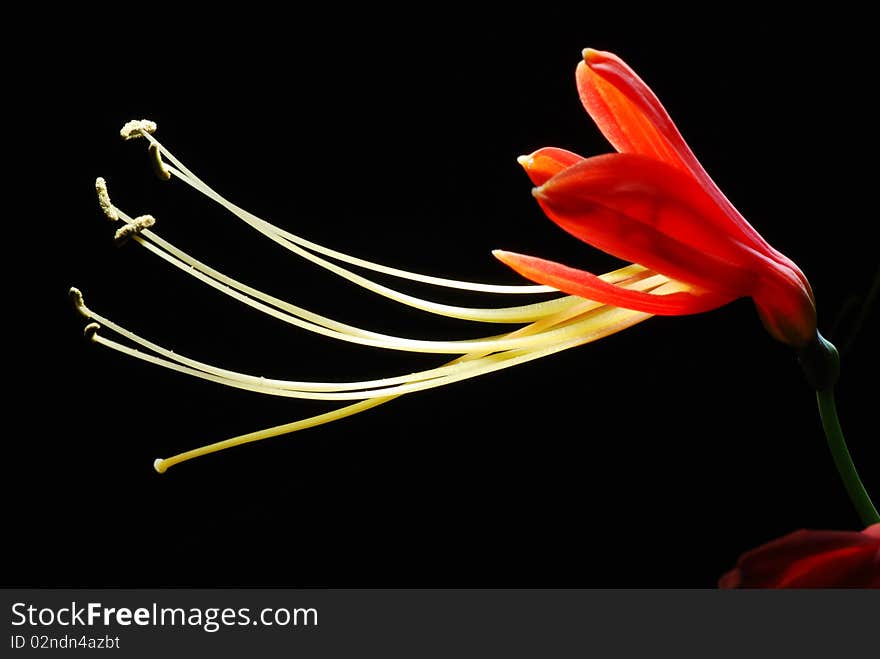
<point>158,166</point>
<point>104,200</point>
<point>79,304</point>
<point>136,128</point>
<point>90,330</point>
<point>134,227</point>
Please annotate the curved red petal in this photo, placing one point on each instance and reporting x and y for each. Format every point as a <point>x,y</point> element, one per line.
<point>547,162</point>
<point>847,567</point>
<point>585,284</point>
<point>632,118</point>
<point>627,112</point>
<point>804,559</point>
<point>786,308</point>
<point>644,211</point>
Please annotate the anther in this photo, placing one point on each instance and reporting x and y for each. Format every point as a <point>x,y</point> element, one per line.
<point>159,465</point>
<point>91,330</point>
<point>158,166</point>
<point>137,225</point>
<point>137,128</point>
<point>104,200</point>
<point>77,298</point>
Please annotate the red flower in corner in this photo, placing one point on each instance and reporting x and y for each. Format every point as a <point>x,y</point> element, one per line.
<point>811,559</point>
<point>652,203</point>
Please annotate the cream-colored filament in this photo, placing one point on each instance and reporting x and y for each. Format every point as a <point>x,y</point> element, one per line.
<point>548,327</point>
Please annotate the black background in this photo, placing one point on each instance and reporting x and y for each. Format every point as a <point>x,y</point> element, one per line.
<point>652,458</point>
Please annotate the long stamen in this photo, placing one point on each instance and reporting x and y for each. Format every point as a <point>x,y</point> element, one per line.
<point>553,325</point>
<point>357,335</point>
<point>523,313</point>
<point>298,316</point>
<point>355,390</point>
<point>161,465</point>
<point>286,238</point>
<point>624,318</point>
<point>172,356</point>
<point>611,320</point>
<point>518,314</point>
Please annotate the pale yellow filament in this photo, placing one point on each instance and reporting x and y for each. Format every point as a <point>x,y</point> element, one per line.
<point>580,326</point>
<point>550,326</point>
<point>288,239</point>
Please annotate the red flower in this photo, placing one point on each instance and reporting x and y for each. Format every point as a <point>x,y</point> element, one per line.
<point>811,559</point>
<point>653,203</point>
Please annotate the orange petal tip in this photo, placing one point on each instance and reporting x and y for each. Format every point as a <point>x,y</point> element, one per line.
<point>507,258</point>
<point>589,54</point>
<point>525,161</point>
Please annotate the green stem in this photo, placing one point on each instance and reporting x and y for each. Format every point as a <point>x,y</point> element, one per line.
<point>842,459</point>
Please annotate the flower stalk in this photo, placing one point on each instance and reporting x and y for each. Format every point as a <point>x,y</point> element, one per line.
<point>842,458</point>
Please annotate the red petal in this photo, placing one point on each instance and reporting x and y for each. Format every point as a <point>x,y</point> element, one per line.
<point>644,211</point>
<point>632,118</point>
<point>786,307</point>
<point>545,163</point>
<point>847,567</point>
<point>627,112</point>
<point>810,559</point>
<point>587,285</point>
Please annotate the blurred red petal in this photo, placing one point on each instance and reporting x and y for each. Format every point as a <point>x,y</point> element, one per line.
<point>811,559</point>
